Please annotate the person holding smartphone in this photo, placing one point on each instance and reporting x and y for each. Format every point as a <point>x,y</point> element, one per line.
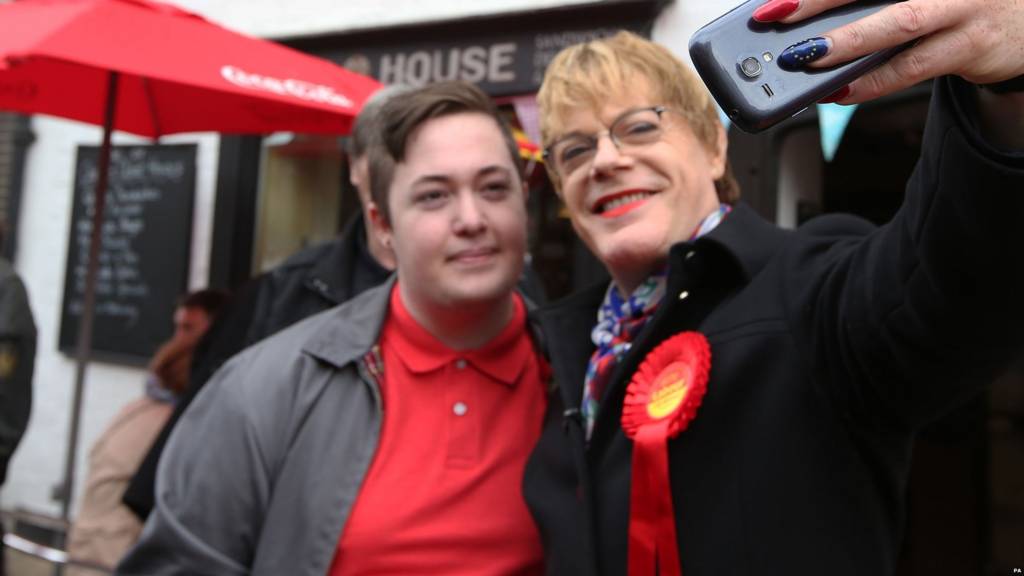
<point>742,399</point>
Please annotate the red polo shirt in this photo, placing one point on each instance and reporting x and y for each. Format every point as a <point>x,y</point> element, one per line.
<point>442,495</point>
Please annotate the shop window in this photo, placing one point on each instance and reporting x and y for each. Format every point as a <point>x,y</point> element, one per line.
<point>303,183</point>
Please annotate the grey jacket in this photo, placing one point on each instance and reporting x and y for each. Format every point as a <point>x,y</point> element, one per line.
<point>287,430</point>
<point>17,361</point>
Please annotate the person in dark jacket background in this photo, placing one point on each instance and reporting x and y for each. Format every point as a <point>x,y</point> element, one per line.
<point>788,446</point>
<point>17,362</point>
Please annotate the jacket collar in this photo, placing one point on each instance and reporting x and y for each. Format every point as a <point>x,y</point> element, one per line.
<point>503,358</point>
<point>353,329</point>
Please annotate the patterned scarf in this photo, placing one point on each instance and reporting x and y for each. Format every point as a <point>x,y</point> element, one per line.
<point>619,320</point>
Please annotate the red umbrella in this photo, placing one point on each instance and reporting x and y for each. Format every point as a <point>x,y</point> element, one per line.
<point>151,69</point>
<point>178,72</point>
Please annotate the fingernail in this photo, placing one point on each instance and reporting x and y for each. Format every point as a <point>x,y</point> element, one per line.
<point>799,55</point>
<point>836,96</point>
<point>776,10</point>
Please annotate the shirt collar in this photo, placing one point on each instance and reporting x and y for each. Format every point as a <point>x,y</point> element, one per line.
<point>503,358</point>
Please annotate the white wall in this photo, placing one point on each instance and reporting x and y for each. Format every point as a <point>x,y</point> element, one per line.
<point>38,465</point>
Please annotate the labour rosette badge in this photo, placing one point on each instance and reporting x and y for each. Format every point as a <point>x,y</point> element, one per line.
<point>661,400</point>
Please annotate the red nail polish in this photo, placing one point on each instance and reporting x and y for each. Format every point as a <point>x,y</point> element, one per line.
<point>836,96</point>
<point>776,10</point>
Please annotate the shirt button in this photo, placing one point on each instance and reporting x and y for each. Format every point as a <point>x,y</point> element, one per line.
<point>460,363</point>
<point>460,408</point>
<point>684,295</point>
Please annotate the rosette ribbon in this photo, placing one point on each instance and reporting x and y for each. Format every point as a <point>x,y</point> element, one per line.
<point>661,400</point>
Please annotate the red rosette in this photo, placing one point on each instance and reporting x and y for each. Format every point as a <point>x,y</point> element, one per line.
<point>661,401</point>
<point>677,370</point>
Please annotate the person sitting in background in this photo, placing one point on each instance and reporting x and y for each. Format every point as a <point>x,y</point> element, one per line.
<point>104,528</point>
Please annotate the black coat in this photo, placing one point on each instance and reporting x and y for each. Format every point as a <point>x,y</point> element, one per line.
<point>830,346</point>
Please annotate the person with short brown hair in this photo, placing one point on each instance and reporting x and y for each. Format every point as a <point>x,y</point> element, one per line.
<point>388,435</point>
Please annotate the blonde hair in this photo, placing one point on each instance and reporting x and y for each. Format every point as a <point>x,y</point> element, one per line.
<point>586,74</point>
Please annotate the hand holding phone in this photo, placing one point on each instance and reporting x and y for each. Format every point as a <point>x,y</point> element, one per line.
<point>757,82</point>
<point>979,40</point>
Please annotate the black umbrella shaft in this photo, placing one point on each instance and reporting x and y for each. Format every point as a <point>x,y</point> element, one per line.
<point>85,322</point>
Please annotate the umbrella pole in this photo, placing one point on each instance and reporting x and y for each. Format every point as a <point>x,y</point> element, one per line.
<point>85,322</point>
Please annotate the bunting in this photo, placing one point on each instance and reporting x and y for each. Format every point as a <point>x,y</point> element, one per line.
<point>832,122</point>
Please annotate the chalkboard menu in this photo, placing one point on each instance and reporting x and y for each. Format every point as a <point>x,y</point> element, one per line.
<point>144,255</point>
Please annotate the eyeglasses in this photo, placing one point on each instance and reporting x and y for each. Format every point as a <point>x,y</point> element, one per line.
<point>637,127</point>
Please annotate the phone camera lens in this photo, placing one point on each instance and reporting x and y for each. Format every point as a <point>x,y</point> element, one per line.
<point>751,67</point>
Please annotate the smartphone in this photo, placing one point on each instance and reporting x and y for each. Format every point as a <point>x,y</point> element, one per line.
<point>736,57</point>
